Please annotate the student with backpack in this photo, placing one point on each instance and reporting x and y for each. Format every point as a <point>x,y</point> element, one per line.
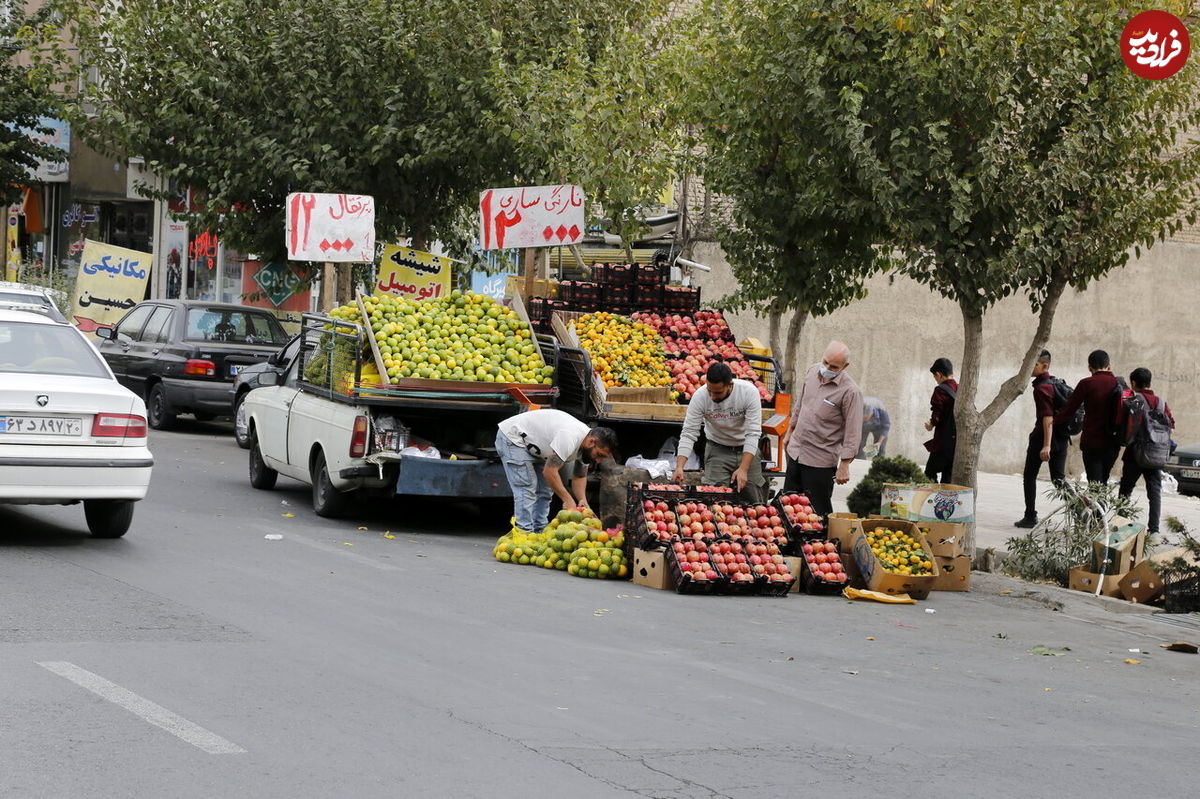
<point>1047,441</point>
<point>941,422</point>
<point>1099,396</point>
<point>1147,422</point>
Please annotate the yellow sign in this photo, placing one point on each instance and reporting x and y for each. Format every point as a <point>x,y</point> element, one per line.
<point>413,274</point>
<point>111,281</point>
<point>12,242</point>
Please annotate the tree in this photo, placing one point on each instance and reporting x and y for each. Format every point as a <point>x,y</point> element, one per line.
<point>802,233</point>
<point>23,103</point>
<point>588,106</point>
<point>244,103</point>
<point>1006,145</point>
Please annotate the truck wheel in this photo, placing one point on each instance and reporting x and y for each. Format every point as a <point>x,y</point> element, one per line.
<point>327,500</point>
<point>108,518</point>
<point>160,418</point>
<point>241,424</point>
<point>261,475</point>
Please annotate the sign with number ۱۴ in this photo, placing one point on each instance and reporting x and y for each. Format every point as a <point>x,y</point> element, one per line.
<point>535,216</point>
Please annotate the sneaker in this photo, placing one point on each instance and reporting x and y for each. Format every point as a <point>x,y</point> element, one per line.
<point>1026,522</point>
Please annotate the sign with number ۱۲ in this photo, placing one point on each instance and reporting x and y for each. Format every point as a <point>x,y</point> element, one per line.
<point>330,227</point>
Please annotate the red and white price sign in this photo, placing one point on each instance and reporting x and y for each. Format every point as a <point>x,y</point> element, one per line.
<point>534,216</point>
<point>1155,44</point>
<point>331,227</point>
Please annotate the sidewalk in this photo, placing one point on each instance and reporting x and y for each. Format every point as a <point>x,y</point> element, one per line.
<point>1000,502</point>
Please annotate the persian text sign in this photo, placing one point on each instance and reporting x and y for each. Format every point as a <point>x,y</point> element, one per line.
<point>413,274</point>
<point>537,216</point>
<point>331,227</point>
<point>111,281</point>
<point>1155,45</point>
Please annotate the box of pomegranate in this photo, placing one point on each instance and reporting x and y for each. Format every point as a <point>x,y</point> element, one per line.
<point>821,567</point>
<point>692,569</point>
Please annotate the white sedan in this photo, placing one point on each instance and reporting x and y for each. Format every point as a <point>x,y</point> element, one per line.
<point>69,432</point>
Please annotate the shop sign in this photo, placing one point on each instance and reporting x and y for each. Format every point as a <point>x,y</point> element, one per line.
<point>414,274</point>
<point>111,280</point>
<point>278,281</point>
<point>330,227</point>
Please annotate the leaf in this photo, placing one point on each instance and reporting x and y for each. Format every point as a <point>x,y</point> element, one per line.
<point>1041,650</point>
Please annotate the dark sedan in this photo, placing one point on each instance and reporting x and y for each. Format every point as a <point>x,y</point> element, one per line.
<point>182,355</point>
<point>1184,466</point>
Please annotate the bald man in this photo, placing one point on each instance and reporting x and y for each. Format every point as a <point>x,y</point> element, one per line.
<point>826,428</point>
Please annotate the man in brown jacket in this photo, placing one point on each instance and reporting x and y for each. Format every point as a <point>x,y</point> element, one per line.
<point>825,428</point>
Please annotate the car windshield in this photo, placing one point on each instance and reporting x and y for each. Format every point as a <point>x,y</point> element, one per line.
<point>233,326</point>
<point>31,348</point>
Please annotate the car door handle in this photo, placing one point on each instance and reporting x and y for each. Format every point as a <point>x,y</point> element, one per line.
<point>156,352</point>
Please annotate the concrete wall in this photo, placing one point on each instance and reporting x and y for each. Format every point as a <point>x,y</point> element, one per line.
<point>1145,314</point>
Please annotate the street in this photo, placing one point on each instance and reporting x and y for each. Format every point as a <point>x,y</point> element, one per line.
<point>196,657</point>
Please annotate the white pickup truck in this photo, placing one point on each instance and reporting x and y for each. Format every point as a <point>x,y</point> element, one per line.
<point>308,421</point>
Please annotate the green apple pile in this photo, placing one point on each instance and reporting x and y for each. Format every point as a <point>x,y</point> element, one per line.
<point>463,336</point>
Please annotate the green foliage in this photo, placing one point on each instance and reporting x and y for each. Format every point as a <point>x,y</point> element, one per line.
<point>1063,539</point>
<point>865,498</point>
<point>23,100</point>
<point>589,107</point>
<point>804,228</point>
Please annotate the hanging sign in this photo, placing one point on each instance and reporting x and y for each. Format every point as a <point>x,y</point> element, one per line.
<point>535,216</point>
<point>330,227</point>
<point>413,274</point>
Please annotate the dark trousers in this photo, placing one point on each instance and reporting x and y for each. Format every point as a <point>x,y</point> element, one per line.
<point>815,482</point>
<point>1098,462</point>
<point>939,466</point>
<point>1033,465</point>
<point>1130,472</point>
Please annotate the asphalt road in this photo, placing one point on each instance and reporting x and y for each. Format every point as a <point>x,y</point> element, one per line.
<point>197,658</point>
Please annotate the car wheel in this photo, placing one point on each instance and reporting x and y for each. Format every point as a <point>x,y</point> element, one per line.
<point>108,518</point>
<point>241,424</point>
<point>327,500</point>
<point>156,409</point>
<point>261,475</point>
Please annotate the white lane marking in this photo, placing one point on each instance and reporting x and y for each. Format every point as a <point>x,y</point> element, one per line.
<point>341,551</point>
<point>143,708</point>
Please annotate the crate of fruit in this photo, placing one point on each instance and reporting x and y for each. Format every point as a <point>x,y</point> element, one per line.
<point>733,564</point>
<point>692,568</point>
<point>797,514</point>
<point>821,567</point>
<point>767,563</point>
<point>895,558</point>
<point>681,299</point>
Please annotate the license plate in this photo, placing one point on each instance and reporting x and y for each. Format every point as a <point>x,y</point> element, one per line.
<point>41,426</point>
<point>233,370</point>
<point>1190,474</point>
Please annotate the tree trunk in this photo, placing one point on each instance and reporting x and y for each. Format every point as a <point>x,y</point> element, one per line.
<point>628,251</point>
<point>774,323</point>
<point>345,283</point>
<point>972,423</point>
<point>792,342</point>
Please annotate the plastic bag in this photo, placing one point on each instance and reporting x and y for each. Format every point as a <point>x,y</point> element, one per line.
<point>421,452</point>
<point>892,599</point>
<point>1169,484</point>
<point>659,469</point>
<point>667,453</point>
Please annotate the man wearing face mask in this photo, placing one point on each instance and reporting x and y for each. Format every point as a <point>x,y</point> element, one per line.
<point>731,413</point>
<point>535,447</point>
<point>826,427</point>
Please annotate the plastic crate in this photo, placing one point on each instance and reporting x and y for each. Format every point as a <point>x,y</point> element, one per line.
<point>733,587</point>
<point>811,583</point>
<point>648,298</point>
<point>681,299</point>
<point>794,530</point>
<point>690,585</point>
<point>768,588</point>
<point>613,296</point>
<point>1182,596</point>
<point>636,517</point>
<point>539,309</point>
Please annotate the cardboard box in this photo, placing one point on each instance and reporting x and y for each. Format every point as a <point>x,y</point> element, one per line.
<point>1126,546</point>
<point>650,570</point>
<point>954,573</point>
<point>945,538</point>
<point>793,565</point>
<point>896,500</point>
<point>879,579</point>
<point>854,578</point>
<point>841,527</point>
<point>1142,584</point>
<point>1080,579</point>
<point>942,502</point>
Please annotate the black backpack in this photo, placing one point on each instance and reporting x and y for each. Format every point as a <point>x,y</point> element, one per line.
<point>1062,394</point>
<point>1115,431</point>
<point>1149,437</point>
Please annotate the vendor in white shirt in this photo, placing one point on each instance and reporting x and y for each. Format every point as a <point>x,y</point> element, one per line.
<point>537,448</point>
<point>731,412</point>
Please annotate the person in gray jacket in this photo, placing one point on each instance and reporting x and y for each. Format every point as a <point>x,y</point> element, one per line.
<point>731,413</point>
